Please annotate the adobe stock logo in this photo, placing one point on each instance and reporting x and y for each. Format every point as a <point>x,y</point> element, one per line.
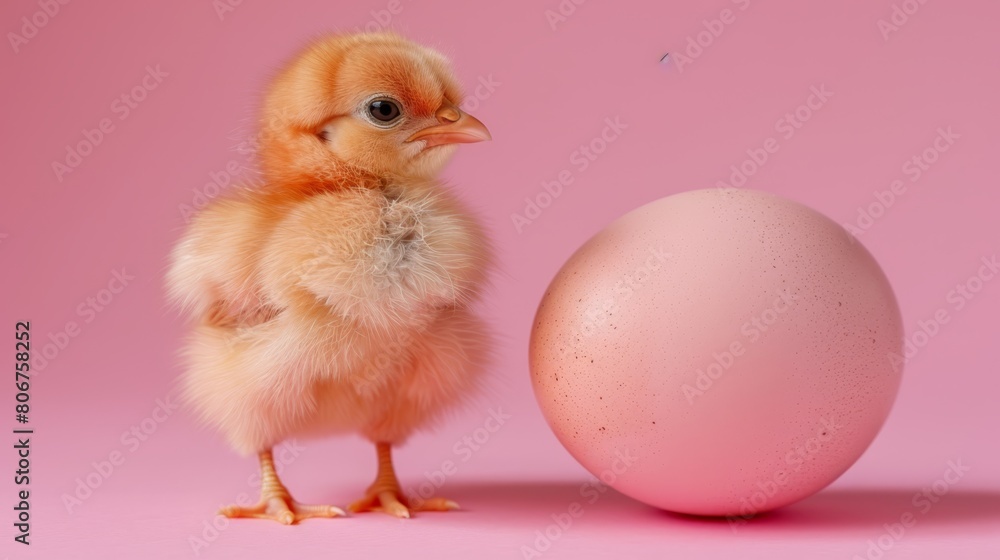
<point>33,24</point>
<point>122,106</point>
<point>913,168</point>
<point>923,502</point>
<point>464,449</point>
<point>900,16</point>
<point>581,158</point>
<point>797,457</point>
<point>225,7</point>
<point>958,298</point>
<point>697,44</point>
<point>545,538</point>
<point>562,13</point>
<point>381,19</point>
<point>787,126</point>
<point>751,330</point>
<point>598,313</point>
<point>484,89</point>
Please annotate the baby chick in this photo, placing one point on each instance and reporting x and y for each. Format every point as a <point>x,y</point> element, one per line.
<point>335,298</point>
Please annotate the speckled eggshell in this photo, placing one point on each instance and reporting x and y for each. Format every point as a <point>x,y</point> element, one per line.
<point>718,352</point>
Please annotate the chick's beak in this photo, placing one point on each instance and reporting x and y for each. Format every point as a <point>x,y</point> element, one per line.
<point>456,127</point>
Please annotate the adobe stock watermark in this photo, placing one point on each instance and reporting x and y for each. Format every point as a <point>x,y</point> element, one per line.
<point>283,455</point>
<point>957,299</point>
<point>697,44</point>
<point>923,502</point>
<point>900,16</point>
<point>599,313</point>
<point>87,311</point>
<point>795,459</point>
<point>580,159</point>
<point>464,449</point>
<point>590,492</point>
<point>131,440</point>
<point>221,179</point>
<point>751,331</point>
<point>562,12</point>
<point>786,126</point>
<point>32,25</point>
<point>913,168</point>
<point>225,7</point>
<point>381,19</point>
<point>122,107</point>
<point>485,87</point>
<point>218,181</point>
<point>379,368</point>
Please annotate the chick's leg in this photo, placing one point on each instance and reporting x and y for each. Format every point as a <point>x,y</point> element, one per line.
<point>385,495</point>
<point>275,501</point>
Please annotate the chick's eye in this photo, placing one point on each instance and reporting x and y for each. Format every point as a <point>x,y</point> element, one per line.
<point>384,110</point>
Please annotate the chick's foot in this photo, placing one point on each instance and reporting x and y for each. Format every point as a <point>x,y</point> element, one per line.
<point>275,501</point>
<point>392,502</point>
<point>282,509</point>
<point>384,495</point>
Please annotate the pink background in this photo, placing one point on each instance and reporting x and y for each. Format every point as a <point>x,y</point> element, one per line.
<point>121,207</point>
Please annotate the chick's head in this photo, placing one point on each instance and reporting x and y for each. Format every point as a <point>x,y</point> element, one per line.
<point>370,104</point>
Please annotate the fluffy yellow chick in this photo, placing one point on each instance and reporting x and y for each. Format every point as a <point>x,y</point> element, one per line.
<point>335,297</point>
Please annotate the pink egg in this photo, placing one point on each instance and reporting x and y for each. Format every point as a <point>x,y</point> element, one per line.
<point>718,352</point>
